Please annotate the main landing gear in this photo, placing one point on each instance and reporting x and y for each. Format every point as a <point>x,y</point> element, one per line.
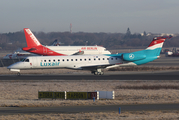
<point>97,72</point>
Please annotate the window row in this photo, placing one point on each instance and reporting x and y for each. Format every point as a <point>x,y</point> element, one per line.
<point>81,59</point>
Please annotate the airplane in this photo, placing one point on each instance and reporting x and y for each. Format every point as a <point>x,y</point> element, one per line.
<point>20,54</point>
<point>56,43</point>
<point>34,46</point>
<point>93,63</point>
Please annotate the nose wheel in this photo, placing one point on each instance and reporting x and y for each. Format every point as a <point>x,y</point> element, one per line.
<point>18,74</point>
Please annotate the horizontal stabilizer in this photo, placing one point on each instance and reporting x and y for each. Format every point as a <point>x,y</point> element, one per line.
<point>28,49</point>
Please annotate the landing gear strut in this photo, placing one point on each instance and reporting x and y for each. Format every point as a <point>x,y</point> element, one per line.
<point>97,72</point>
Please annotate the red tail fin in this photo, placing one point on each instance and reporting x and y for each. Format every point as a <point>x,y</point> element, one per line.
<point>30,38</point>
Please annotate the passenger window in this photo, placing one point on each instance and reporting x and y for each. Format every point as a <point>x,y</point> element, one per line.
<point>63,60</point>
<point>44,60</point>
<point>107,58</point>
<point>58,59</point>
<point>49,60</point>
<point>89,59</point>
<point>76,59</point>
<point>85,59</point>
<point>98,58</point>
<point>103,59</point>
<point>111,58</point>
<point>67,59</point>
<point>94,58</point>
<point>80,59</point>
<point>53,60</point>
<point>71,59</point>
<point>116,58</point>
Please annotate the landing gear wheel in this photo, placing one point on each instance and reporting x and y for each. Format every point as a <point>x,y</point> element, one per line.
<point>18,74</point>
<point>97,72</point>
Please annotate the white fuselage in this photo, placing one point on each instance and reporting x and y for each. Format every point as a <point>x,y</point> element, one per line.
<point>79,62</point>
<point>70,50</point>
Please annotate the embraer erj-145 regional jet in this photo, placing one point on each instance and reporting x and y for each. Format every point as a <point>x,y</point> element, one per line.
<point>34,46</point>
<point>94,63</point>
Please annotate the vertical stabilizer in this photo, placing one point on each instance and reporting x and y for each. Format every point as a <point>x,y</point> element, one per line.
<point>157,44</point>
<point>30,38</point>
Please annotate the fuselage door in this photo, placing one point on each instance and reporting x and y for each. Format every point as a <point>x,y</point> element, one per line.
<point>33,62</point>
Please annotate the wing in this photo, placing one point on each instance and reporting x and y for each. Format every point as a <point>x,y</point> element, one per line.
<point>94,67</point>
<point>79,53</point>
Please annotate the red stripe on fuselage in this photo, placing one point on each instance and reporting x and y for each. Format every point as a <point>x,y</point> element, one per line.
<point>41,50</point>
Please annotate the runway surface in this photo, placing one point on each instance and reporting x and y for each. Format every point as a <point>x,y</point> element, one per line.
<point>161,75</point>
<point>79,109</point>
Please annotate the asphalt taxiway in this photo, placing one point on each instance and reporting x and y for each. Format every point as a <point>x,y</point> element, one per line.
<point>139,75</point>
<point>80,109</point>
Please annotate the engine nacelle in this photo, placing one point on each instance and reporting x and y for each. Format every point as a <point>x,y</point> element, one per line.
<point>133,57</point>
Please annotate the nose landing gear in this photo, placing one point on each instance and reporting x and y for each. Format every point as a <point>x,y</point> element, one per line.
<point>18,74</point>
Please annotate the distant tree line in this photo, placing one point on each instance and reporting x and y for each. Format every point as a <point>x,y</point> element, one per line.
<point>12,41</point>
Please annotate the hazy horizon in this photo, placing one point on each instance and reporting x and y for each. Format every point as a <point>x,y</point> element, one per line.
<point>114,16</point>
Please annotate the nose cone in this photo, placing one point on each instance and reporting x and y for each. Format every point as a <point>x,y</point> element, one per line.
<point>15,66</point>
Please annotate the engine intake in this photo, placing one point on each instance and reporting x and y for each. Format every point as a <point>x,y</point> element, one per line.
<point>133,57</point>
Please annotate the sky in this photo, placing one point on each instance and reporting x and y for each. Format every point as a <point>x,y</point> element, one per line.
<point>110,16</point>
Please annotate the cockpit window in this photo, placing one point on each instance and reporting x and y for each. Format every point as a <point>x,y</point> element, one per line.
<point>27,60</point>
<point>23,60</point>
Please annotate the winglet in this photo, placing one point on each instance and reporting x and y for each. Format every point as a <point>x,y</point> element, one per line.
<point>30,38</point>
